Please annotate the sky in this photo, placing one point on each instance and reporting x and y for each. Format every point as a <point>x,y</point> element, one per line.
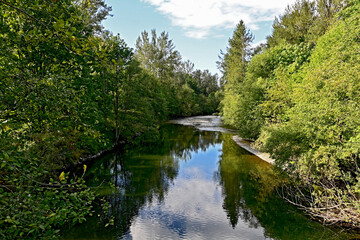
<point>198,28</point>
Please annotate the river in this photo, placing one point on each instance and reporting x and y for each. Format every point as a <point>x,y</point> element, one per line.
<point>195,183</point>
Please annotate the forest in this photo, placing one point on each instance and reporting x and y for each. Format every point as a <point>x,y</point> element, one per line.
<point>71,89</point>
<point>298,97</point>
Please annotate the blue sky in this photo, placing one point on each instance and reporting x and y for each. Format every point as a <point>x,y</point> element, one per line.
<point>198,28</point>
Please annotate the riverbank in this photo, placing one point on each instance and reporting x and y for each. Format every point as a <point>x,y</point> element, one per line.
<point>193,184</point>
<point>247,146</point>
<point>214,123</point>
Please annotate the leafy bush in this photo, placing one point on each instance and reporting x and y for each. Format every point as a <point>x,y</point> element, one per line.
<point>31,209</point>
<point>319,138</point>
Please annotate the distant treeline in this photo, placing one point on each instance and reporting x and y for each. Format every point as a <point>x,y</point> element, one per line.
<point>298,96</point>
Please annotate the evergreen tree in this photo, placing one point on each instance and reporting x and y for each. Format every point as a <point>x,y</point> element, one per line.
<point>233,66</point>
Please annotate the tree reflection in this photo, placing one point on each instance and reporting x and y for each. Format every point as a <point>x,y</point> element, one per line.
<point>144,175</point>
<point>246,181</point>
<point>182,140</point>
<point>248,188</point>
<point>141,176</point>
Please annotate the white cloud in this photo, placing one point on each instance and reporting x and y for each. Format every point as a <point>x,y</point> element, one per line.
<point>200,17</point>
<point>192,209</point>
<point>198,34</point>
<point>254,45</point>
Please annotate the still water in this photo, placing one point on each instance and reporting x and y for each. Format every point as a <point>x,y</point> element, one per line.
<point>193,184</point>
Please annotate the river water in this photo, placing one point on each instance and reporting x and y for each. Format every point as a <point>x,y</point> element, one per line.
<point>195,183</point>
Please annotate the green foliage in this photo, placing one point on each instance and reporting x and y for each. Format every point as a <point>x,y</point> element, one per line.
<point>282,66</point>
<point>70,89</point>
<point>293,27</point>
<point>185,92</point>
<point>157,55</point>
<point>300,101</point>
<point>263,95</point>
<point>327,101</point>
<point>325,119</point>
<point>233,65</point>
<point>31,209</point>
<point>305,21</point>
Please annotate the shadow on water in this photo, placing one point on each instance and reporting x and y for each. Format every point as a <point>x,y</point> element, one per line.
<point>163,191</point>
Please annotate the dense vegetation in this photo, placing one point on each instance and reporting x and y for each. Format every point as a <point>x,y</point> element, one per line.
<point>70,89</point>
<point>298,96</point>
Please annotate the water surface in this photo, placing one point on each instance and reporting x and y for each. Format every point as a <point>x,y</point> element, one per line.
<point>194,184</point>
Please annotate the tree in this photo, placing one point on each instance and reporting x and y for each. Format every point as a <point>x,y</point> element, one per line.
<point>233,63</point>
<point>206,82</point>
<point>317,141</point>
<point>233,66</point>
<point>158,56</point>
<point>305,21</point>
<point>186,90</point>
<point>294,25</point>
<point>326,10</point>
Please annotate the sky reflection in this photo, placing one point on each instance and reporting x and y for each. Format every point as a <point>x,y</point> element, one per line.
<point>193,185</point>
<point>192,208</point>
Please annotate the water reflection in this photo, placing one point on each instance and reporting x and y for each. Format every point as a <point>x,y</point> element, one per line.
<point>246,180</point>
<point>249,196</point>
<point>182,140</point>
<point>194,185</point>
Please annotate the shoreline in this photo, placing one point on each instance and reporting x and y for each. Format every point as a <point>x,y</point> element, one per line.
<point>214,123</point>
<point>246,145</point>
